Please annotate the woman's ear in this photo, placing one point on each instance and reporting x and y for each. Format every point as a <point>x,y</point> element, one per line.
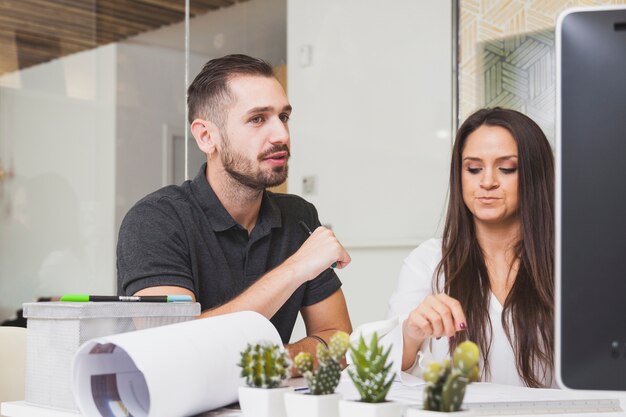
<point>206,134</point>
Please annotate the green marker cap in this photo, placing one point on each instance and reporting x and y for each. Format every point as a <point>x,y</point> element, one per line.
<point>75,297</point>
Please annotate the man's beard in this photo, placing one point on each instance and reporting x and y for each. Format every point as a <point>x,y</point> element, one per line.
<point>242,169</point>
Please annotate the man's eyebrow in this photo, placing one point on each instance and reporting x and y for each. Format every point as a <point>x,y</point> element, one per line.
<point>501,158</point>
<point>265,109</point>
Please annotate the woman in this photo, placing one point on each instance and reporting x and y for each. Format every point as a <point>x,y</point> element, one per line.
<point>490,279</point>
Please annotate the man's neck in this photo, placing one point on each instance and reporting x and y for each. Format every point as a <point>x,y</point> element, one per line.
<point>241,202</point>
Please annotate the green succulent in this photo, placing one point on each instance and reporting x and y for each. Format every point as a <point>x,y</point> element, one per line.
<point>326,378</point>
<point>446,382</point>
<point>370,371</point>
<point>264,365</point>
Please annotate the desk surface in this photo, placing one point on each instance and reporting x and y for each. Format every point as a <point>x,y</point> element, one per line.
<point>488,399</point>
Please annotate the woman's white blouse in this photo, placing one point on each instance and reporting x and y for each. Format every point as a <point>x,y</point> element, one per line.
<point>414,284</point>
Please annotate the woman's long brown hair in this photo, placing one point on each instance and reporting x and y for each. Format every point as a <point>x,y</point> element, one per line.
<point>528,315</point>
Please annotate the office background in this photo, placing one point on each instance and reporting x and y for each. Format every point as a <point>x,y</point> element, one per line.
<point>92,117</point>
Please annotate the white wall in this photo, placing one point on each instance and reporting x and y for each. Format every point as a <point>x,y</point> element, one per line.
<point>372,124</point>
<point>57,123</point>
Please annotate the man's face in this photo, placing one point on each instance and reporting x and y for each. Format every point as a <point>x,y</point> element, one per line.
<point>255,139</point>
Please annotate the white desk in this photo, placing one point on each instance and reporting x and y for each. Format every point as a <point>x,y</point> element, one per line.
<point>500,400</point>
<point>490,399</point>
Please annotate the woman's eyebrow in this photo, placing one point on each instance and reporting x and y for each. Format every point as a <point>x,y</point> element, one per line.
<point>501,158</point>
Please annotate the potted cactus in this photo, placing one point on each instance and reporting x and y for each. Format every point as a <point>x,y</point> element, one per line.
<point>321,401</point>
<point>370,375</point>
<point>264,366</point>
<point>446,382</point>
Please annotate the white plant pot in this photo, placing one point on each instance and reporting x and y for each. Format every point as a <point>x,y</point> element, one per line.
<point>349,408</point>
<point>418,412</point>
<point>308,405</point>
<point>263,402</point>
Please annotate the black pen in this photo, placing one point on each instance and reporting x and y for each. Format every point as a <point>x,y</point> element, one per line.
<point>306,229</point>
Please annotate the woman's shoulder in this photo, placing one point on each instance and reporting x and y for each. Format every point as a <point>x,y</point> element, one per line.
<point>415,278</point>
<point>427,252</point>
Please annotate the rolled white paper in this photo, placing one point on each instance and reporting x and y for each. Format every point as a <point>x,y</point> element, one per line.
<point>171,371</point>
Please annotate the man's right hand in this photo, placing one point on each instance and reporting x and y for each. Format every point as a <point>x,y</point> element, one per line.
<point>321,250</point>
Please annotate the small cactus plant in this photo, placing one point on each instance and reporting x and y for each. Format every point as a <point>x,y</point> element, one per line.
<point>446,381</point>
<point>326,379</point>
<point>370,370</point>
<point>264,365</point>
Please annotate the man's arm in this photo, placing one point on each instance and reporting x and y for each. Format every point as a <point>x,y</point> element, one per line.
<point>322,319</point>
<point>268,294</point>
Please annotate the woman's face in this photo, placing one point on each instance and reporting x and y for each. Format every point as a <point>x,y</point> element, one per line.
<point>489,176</point>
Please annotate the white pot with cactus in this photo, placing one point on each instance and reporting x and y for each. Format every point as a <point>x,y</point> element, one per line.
<point>265,366</point>
<point>446,383</point>
<point>370,374</point>
<point>321,400</point>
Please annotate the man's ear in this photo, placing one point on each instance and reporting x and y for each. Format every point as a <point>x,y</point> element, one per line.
<point>206,134</point>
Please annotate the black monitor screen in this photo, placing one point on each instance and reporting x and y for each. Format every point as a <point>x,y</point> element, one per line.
<point>591,200</point>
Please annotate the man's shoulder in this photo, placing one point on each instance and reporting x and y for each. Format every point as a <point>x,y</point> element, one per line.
<point>169,199</point>
<point>175,193</point>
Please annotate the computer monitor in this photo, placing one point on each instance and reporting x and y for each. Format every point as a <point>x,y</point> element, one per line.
<point>591,199</point>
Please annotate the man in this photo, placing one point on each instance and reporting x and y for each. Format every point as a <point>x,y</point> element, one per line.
<point>222,238</point>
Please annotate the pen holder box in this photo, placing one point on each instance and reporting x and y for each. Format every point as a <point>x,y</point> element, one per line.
<point>57,329</point>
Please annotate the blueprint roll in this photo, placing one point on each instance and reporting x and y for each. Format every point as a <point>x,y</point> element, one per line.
<point>169,371</point>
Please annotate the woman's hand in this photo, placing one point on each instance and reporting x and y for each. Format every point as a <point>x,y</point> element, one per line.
<point>437,316</point>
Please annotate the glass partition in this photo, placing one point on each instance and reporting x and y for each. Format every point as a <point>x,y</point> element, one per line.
<point>58,94</point>
<point>92,118</point>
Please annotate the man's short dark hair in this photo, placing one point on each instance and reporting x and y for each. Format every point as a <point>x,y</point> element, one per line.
<point>208,95</point>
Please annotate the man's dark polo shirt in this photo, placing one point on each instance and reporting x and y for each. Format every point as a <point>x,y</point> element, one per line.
<point>182,236</point>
